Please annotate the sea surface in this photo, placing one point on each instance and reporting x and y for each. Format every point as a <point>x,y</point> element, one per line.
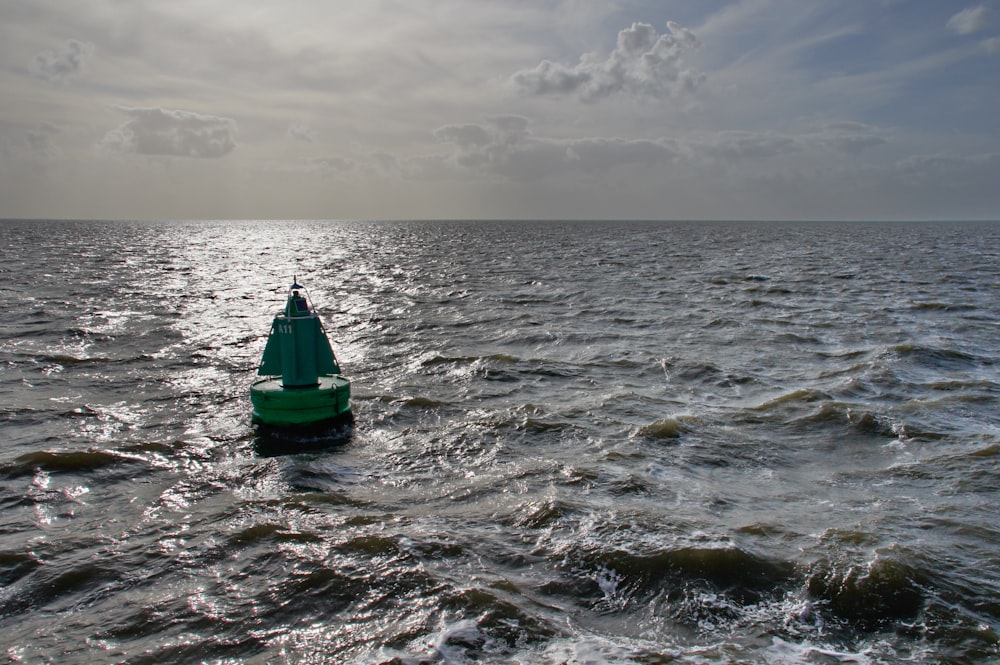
<point>575,443</point>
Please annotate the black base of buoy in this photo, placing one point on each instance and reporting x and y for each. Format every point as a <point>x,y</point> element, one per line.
<point>273,441</point>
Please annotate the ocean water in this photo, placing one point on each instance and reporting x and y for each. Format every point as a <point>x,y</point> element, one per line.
<point>575,443</point>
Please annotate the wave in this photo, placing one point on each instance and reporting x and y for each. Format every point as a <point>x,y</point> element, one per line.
<point>704,373</point>
<point>741,575</point>
<point>858,419</point>
<point>933,306</point>
<point>980,390</point>
<point>46,585</point>
<point>63,462</point>
<point>540,514</point>
<point>272,533</point>
<point>937,357</point>
<point>66,359</point>
<point>667,428</point>
<point>541,426</point>
<point>797,397</point>
<point>423,403</point>
<point>15,565</point>
<point>442,360</point>
<point>843,354</point>
<point>868,597</point>
<point>500,619</point>
<point>808,408</point>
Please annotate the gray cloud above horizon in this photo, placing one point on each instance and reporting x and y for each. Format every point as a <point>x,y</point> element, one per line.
<point>505,145</point>
<point>301,132</point>
<point>62,64</point>
<point>165,132</point>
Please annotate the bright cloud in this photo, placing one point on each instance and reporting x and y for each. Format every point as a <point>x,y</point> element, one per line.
<point>59,65</point>
<point>154,131</point>
<point>644,64</point>
<point>972,19</point>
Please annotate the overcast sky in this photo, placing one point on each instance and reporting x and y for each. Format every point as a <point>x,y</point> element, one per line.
<point>376,109</point>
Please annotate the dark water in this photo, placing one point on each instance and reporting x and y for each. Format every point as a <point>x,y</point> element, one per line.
<point>575,443</point>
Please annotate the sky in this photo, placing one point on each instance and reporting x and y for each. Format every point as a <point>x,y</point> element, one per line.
<point>500,109</point>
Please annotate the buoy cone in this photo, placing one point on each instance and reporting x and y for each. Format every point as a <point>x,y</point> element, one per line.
<point>302,384</point>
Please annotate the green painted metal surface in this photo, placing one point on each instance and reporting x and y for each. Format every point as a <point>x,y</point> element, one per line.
<point>274,404</point>
<point>297,348</point>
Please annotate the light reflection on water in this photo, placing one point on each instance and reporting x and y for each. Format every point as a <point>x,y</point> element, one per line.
<point>574,443</point>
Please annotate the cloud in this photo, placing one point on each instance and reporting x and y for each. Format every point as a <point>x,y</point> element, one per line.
<point>154,131</point>
<point>58,66</point>
<point>466,137</point>
<point>602,154</point>
<point>40,140</point>
<point>644,64</point>
<point>302,133</point>
<point>967,21</point>
<point>504,146</point>
<point>850,138</point>
<point>967,172</point>
<point>992,45</point>
<point>333,164</point>
<point>733,146</point>
<point>492,142</point>
<point>762,148</point>
<point>385,162</point>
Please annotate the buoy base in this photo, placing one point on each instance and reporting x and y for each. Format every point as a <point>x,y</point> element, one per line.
<point>273,441</point>
<point>277,406</point>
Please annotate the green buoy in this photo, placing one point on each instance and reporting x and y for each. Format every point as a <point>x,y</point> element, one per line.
<point>302,385</point>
